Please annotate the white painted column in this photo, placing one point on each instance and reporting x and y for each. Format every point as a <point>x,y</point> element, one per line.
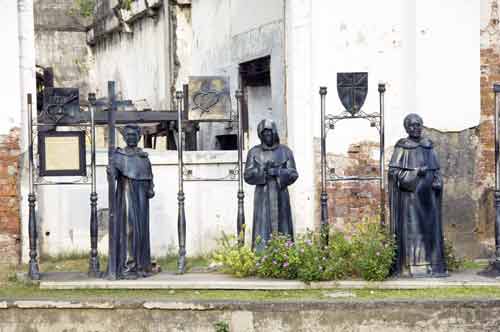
<point>27,84</point>
<point>299,110</point>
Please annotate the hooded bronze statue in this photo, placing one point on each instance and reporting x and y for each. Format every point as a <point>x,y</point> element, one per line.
<point>415,192</point>
<point>132,170</point>
<point>271,168</point>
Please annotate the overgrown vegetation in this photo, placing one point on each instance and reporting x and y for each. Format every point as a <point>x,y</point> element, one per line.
<point>453,261</point>
<point>367,254</point>
<point>221,326</point>
<point>239,261</point>
<point>85,8</point>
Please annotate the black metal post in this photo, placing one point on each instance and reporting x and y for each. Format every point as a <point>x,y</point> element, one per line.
<point>94,258</point>
<point>324,195</point>
<point>381,91</point>
<point>240,224</point>
<point>33,271</point>
<point>112,228</point>
<point>181,216</point>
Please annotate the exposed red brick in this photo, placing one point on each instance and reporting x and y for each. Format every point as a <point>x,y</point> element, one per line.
<point>10,229</point>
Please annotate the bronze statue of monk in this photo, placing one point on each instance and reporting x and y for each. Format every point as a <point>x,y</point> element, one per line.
<point>415,192</point>
<point>133,173</point>
<point>271,168</point>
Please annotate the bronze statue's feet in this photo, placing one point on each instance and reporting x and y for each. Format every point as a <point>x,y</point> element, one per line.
<point>440,275</point>
<point>129,276</point>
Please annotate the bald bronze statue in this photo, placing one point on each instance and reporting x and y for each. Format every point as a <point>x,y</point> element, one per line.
<point>132,170</point>
<point>415,195</point>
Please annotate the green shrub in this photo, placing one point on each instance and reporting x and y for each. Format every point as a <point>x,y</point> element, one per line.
<point>279,259</point>
<point>221,326</point>
<point>339,263</point>
<point>373,251</point>
<point>313,259</point>
<point>453,262</point>
<point>239,261</point>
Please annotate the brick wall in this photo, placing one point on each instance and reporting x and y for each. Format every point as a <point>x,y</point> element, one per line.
<point>351,202</point>
<point>9,198</point>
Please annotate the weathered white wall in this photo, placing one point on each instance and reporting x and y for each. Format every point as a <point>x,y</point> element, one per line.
<point>225,34</point>
<point>210,208</point>
<point>10,85</point>
<point>427,52</point>
<point>137,62</point>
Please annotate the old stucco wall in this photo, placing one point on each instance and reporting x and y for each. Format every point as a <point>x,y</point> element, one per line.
<point>60,33</point>
<point>140,61</point>
<point>239,37</point>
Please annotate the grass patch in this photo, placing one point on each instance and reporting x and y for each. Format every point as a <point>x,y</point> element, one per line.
<point>21,291</point>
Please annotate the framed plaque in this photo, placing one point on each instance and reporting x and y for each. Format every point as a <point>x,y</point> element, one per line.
<point>209,98</point>
<point>62,153</point>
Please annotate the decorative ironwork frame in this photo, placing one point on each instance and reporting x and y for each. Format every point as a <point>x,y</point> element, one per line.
<point>186,173</point>
<point>328,123</point>
<point>37,178</point>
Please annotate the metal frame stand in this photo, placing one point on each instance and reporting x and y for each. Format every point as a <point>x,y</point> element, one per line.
<point>186,175</point>
<point>33,271</point>
<point>181,216</point>
<point>94,268</point>
<point>240,228</point>
<point>328,122</point>
<point>35,180</point>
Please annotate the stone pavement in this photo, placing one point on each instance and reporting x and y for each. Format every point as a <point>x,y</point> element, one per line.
<point>200,281</point>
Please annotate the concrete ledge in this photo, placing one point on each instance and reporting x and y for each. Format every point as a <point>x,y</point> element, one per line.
<point>235,305</point>
<point>202,316</point>
<point>213,281</point>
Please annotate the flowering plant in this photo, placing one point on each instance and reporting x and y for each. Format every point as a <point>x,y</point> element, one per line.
<point>279,259</point>
<point>373,251</point>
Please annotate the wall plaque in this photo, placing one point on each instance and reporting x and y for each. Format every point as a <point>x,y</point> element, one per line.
<point>62,153</point>
<point>209,98</point>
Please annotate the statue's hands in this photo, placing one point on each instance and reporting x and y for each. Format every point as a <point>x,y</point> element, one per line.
<point>273,171</point>
<point>151,193</point>
<point>422,171</point>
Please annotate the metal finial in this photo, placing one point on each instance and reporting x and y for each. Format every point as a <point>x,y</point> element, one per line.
<point>381,87</point>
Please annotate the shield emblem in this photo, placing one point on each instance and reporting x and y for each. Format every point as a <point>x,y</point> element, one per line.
<point>352,89</point>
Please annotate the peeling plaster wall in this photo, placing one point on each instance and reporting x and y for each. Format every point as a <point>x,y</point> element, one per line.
<point>139,62</point>
<point>225,34</point>
<point>61,43</point>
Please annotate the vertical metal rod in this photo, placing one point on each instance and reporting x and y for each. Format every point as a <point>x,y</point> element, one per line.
<point>381,91</point>
<point>324,195</point>
<point>240,223</point>
<point>33,271</point>
<point>181,216</point>
<point>496,90</point>
<point>113,230</point>
<point>94,258</point>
